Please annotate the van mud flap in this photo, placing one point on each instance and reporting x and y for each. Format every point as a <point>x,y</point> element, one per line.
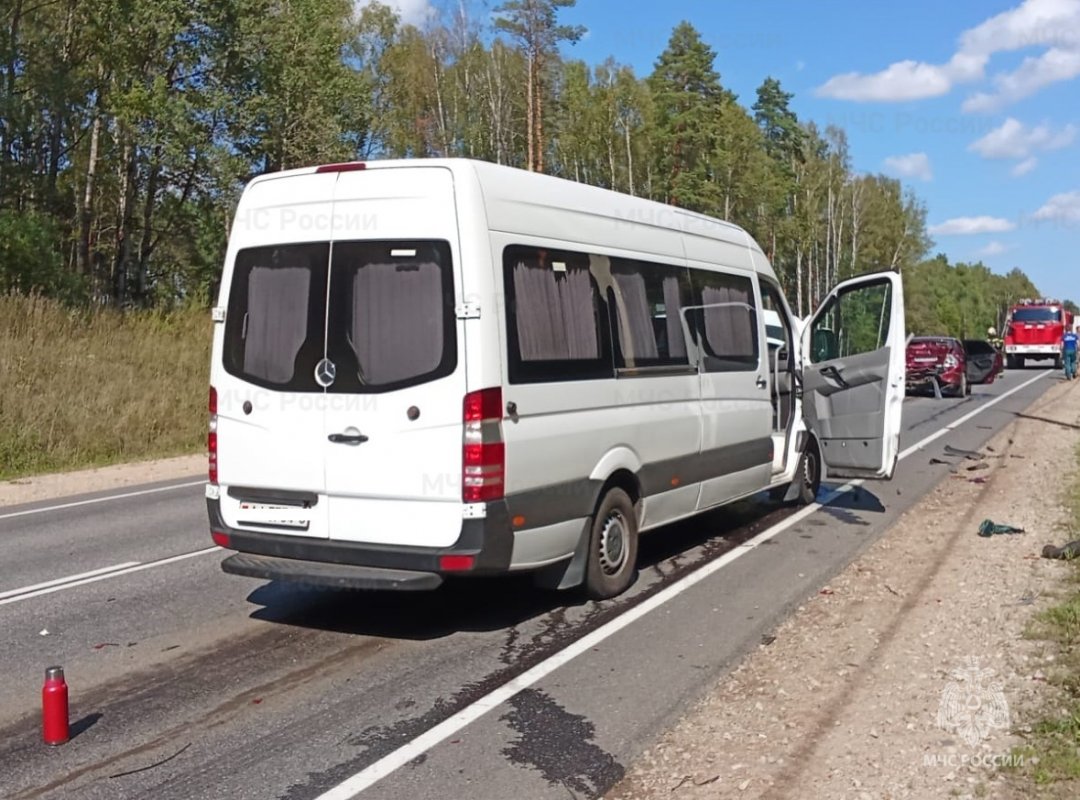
<point>327,575</point>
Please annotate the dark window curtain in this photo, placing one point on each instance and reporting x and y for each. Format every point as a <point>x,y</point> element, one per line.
<point>638,315</point>
<point>672,306</point>
<point>556,313</point>
<point>728,329</point>
<point>276,324</point>
<point>397,321</point>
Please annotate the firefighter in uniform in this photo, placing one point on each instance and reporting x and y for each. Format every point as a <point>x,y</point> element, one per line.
<point>994,339</point>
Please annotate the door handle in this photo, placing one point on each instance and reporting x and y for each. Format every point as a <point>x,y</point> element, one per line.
<point>833,374</point>
<point>760,382</point>
<point>347,438</point>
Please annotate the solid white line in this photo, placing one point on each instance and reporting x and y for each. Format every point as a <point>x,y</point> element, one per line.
<point>353,786</point>
<point>103,570</point>
<point>138,568</point>
<point>101,499</point>
<point>969,416</point>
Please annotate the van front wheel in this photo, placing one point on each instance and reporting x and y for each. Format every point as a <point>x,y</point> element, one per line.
<point>613,547</point>
<point>808,478</point>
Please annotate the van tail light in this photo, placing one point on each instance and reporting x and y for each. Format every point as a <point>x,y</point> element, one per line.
<point>211,438</point>
<point>483,467</point>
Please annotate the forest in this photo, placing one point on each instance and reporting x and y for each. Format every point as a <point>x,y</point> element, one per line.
<point>128,129</point>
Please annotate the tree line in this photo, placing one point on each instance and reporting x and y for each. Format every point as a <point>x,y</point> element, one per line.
<point>128,129</point>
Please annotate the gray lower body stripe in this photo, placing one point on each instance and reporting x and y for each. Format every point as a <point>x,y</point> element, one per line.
<point>575,499</point>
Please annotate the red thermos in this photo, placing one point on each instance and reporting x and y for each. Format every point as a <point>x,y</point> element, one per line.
<point>54,707</point>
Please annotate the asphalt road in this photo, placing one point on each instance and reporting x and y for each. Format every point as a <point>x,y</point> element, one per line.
<point>189,683</point>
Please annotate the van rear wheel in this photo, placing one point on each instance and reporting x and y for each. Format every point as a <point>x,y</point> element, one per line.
<point>613,547</point>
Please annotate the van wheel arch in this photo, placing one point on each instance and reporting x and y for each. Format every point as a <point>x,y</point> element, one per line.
<point>575,573</point>
<point>803,490</point>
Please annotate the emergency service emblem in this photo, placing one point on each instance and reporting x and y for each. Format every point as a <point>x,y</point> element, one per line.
<point>972,705</point>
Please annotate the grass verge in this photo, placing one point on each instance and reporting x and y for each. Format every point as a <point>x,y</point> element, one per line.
<point>87,388</point>
<point>1049,764</point>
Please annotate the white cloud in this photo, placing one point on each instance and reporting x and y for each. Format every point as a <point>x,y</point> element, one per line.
<point>965,226</point>
<point>992,249</point>
<point>1032,75</point>
<point>1024,167</point>
<point>1050,24</point>
<point>1016,140</point>
<point>412,12</point>
<point>912,165</point>
<point>1064,207</point>
<point>904,80</point>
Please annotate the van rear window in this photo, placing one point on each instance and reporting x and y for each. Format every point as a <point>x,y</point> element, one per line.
<point>274,323</point>
<point>390,321</point>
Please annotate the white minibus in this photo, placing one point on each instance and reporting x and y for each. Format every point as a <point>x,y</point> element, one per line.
<point>437,368</point>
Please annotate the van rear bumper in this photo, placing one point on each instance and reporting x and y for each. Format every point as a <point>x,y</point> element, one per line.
<point>490,542</point>
<point>334,576</point>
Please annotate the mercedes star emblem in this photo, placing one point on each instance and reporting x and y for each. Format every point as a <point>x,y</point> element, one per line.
<point>325,372</point>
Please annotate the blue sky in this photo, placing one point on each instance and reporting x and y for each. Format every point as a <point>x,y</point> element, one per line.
<point>974,105</point>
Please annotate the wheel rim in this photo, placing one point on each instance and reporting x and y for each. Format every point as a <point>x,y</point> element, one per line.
<point>613,544</point>
<point>810,471</point>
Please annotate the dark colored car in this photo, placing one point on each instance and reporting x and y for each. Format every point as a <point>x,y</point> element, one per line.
<point>954,365</point>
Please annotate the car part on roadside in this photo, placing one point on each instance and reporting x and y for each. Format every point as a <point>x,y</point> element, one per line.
<point>989,528</point>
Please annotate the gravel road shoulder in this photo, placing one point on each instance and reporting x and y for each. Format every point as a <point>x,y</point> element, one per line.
<point>846,701</point>
<point>100,479</point>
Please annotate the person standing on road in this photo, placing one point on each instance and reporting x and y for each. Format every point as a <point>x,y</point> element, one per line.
<point>1068,353</point>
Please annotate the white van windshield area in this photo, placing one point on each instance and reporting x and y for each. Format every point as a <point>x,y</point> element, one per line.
<point>390,321</point>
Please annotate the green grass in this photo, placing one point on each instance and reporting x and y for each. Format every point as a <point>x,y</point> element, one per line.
<point>1051,758</point>
<point>83,389</point>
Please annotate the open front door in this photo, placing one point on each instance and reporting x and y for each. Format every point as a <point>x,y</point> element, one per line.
<point>981,361</point>
<point>853,376</point>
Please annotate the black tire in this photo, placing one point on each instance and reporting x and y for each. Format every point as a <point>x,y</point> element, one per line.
<point>1058,363</point>
<point>613,547</point>
<point>809,475</point>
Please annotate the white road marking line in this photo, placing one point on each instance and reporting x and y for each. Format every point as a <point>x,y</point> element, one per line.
<point>69,578</point>
<point>389,764</point>
<point>101,499</point>
<point>969,416</point>
<point>126,571</point>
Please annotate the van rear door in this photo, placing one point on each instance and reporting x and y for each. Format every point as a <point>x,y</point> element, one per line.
<point>854,376</point>
<point>392,440</point>
<point>269,405</point>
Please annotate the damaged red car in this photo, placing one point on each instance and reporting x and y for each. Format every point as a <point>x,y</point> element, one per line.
<point>953,365</point>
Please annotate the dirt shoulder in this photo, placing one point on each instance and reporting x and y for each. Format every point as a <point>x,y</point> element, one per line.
<point>65,484</point>
<point>846,702</point>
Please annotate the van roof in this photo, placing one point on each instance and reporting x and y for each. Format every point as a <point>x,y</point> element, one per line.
<point>498,181</point>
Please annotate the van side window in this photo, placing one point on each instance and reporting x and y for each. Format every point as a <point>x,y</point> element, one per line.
<point>727,326</point>
<point>557,327</point>
<point>852,322</point>
<point>647,299</point>
<point>274,323</point>
<point>391,316</point>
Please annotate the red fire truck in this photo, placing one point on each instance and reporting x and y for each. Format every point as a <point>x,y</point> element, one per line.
<point>1033,331</point>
